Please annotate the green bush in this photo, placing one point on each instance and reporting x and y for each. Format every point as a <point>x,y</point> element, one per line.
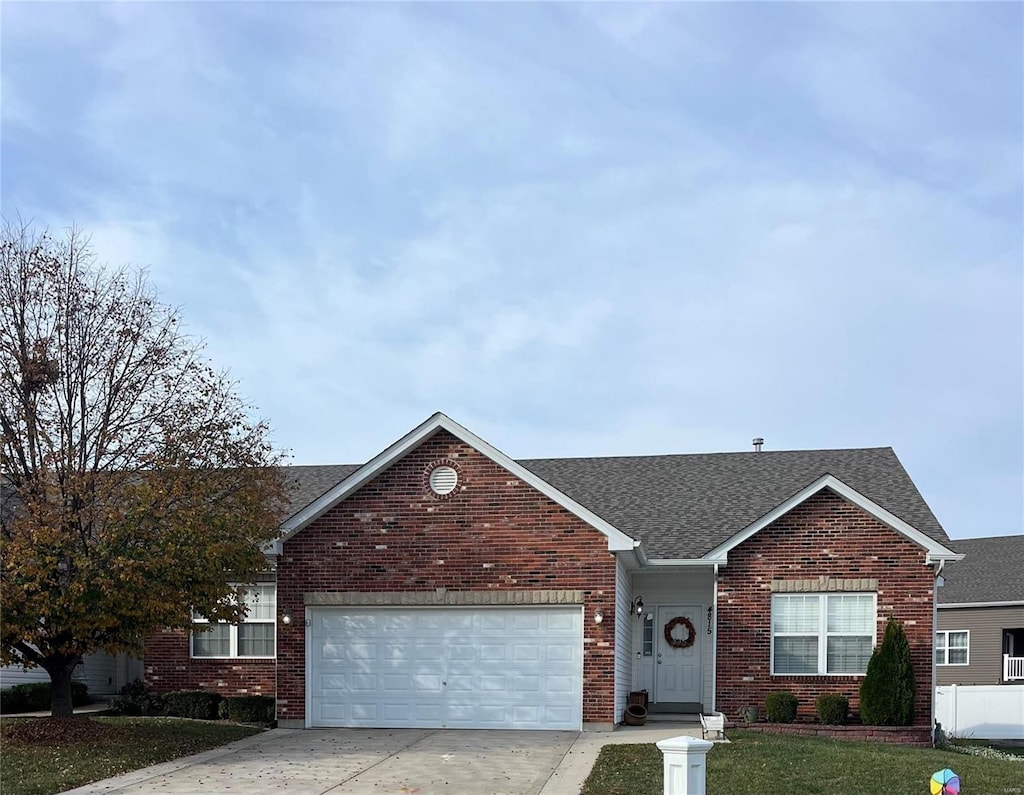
<point>35,697</point>
<point>887,692</point>
<point>12,700</point>
<point>198,704</point>
<point>251,709</point>
<point>832,709</point>
<point>136,699</point>
<point>781,707</point>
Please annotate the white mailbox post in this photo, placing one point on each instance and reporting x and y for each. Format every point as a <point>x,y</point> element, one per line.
<point>685,765</point>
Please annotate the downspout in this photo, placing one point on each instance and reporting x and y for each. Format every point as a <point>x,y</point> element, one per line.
<point>714,642</point>
<point>935,632</point>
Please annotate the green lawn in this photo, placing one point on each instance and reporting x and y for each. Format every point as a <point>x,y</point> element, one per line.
<point>759,763</point>
<point>46,756</point>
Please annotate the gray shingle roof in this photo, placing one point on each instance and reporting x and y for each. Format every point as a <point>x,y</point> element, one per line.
<point>682,506</point>
<point>306,483</point>
<point>992,571</point>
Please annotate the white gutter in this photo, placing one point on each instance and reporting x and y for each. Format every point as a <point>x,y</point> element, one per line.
<point>980,604</point>
<point>686,562</point>
<point>714,642</point>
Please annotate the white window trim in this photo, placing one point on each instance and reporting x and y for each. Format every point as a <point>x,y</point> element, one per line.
<point>822,634</point>
<point>233,634</point>
<point>945,647</point>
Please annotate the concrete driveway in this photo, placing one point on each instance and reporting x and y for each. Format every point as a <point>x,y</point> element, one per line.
<point>384,761</point>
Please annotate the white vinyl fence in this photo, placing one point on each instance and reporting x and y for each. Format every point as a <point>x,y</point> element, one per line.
<point>983,712</point>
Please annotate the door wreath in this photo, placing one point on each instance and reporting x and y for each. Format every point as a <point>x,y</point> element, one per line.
<point>680,643</point>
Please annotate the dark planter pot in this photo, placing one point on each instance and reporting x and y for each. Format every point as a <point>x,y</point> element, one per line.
<point>635,715</point>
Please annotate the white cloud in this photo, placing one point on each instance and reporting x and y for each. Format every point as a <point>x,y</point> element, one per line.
<point>576,238</point>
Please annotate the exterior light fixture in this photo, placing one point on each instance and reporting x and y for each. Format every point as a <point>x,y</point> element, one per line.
<point>598,616</point>
<point>286,617</point>
<point>638,606</point>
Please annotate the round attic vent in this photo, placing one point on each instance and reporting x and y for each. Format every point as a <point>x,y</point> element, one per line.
<point>443,480</point>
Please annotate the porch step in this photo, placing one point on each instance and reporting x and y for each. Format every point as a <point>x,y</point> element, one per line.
<point>673,717</point>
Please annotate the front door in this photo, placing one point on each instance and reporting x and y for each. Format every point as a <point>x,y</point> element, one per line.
<point>677,640</point>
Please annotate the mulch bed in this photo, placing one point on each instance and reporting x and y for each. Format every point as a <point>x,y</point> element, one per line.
<point>60,731</point>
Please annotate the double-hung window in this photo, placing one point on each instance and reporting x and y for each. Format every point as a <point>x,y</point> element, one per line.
<point>254,636</point>
<point>952,647</point>
<point>822,633</point>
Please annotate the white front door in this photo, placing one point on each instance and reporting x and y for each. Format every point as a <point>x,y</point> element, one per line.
<point>677,673</point>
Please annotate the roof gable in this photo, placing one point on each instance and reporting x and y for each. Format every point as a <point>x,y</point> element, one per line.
<point>935,550</point>
<point>683,506</point>
<point>617,540</point>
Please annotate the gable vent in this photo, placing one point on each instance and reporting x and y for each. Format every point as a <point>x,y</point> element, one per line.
<point>443,480</point>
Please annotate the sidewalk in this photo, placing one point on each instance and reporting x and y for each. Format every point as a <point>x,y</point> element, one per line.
<point>95,708</point>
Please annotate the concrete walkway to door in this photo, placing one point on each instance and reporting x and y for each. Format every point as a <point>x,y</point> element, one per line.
<point>385,761</point>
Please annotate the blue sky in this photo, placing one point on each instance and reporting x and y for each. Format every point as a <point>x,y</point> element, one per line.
<point>581,229</point>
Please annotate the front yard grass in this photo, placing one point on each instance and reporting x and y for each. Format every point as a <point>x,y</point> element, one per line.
<point>43,756</point>
<point>759,763</point>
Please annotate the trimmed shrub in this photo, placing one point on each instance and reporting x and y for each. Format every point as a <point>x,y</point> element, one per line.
<point>13,699</point>
<point>887,692</point>
<point>198,704</point>
<point>136,699</point>
<point>832,709</point>
<point>781,707</point>
<point>251,709</point>
<point>35,697</point>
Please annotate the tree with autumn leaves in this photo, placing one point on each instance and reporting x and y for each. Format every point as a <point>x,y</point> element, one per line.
<point>134,488</point>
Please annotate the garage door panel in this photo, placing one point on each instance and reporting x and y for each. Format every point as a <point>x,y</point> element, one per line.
<point>525,652</point>
<point>461,652</point>
<point>526,622</point>
<point>491,621</point>
<point>559,684</point>
<point>563,652</point>
<point>493,652</point>
<point>357,682</point>
<point>561,621</point>
<point>355,651</point>
<point>365,622</point>
<point>446,667</point>
<point>526,684</point>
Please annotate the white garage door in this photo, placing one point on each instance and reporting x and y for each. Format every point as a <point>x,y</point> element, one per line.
<point>465,668</point>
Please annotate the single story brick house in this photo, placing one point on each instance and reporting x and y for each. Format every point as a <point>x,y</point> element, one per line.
<point>443,584</point>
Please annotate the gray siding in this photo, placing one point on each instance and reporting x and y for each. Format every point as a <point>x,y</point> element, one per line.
<point>623,638</point>
<point>985,653</point>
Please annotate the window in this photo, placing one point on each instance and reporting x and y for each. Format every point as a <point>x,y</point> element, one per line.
<point>822,633</point>
<point>255,636</point>
<point>649,636</point>
<point>952,647</point>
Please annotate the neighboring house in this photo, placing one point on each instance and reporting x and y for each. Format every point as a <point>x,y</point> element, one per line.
<point>980,637</point>
<point>104,674</point>
<point>442,584</point>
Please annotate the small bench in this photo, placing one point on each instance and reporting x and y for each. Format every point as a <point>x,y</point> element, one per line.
<point>715,722</point>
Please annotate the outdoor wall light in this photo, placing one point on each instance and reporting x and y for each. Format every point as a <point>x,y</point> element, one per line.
<point>286,617</point>
<point>638,606</point>
<point>598,617</point>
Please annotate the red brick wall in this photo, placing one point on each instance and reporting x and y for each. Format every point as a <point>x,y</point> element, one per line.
<point>494,533</point>
<point>167,666</point>
<point>824,536</point>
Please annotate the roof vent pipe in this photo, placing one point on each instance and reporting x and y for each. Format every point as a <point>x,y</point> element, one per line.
<point>758,441</point>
